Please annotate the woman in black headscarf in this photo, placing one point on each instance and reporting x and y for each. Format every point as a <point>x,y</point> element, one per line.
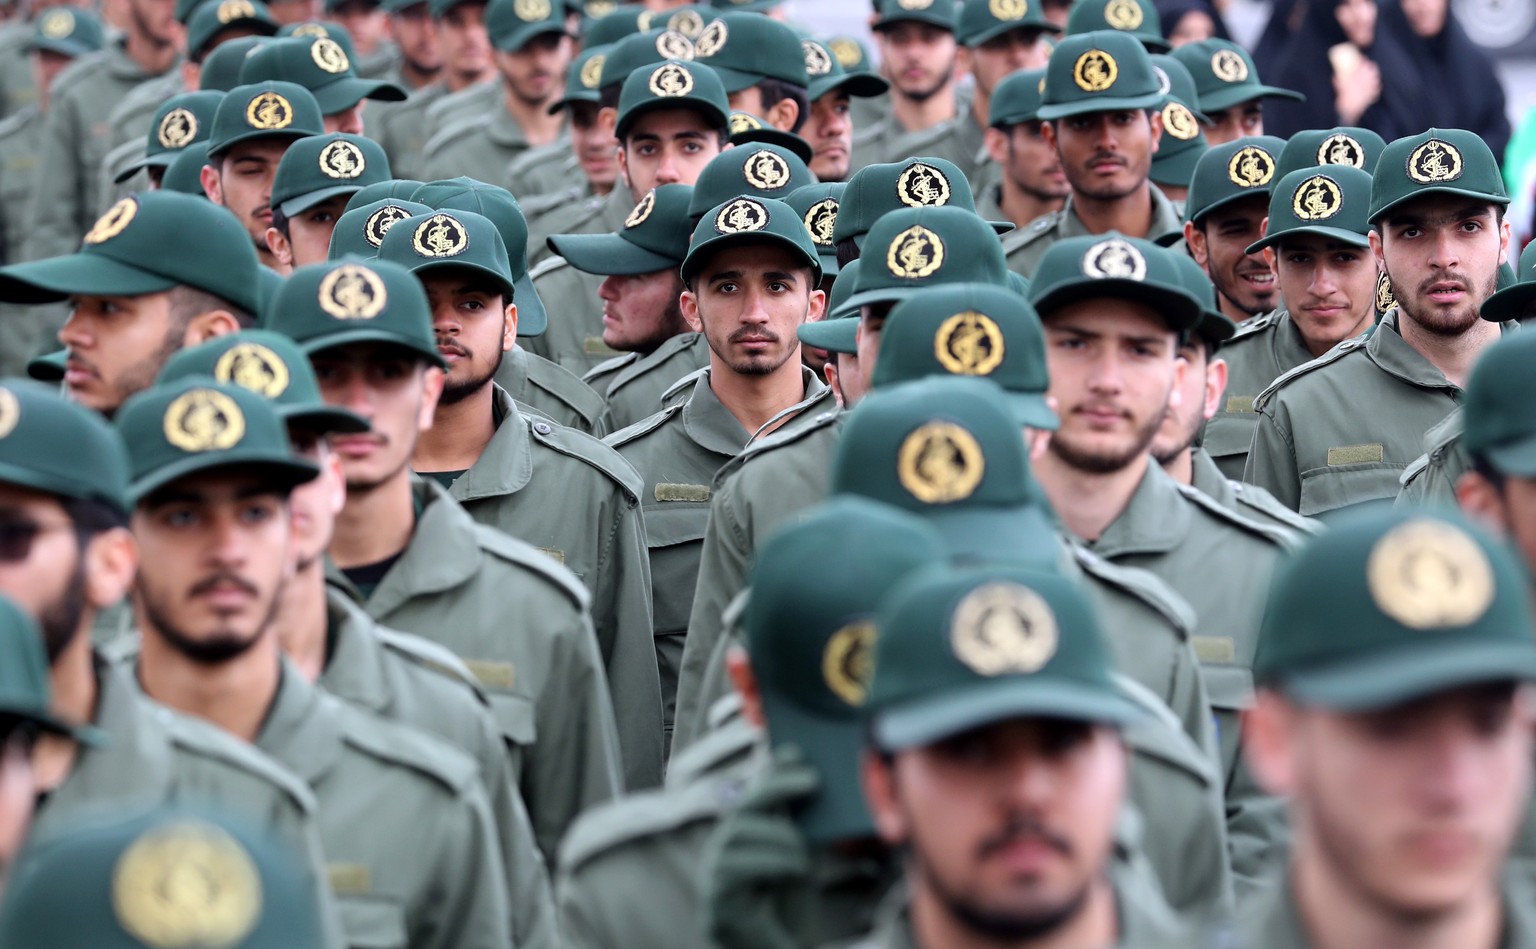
<point>1189,21</point>
<point>1459,86</point>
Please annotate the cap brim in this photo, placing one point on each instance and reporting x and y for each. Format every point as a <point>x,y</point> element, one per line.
<point>914,16</point>
<point>961,710</point>
<point>713,244</point>
<point>829,265</point>
<point>1180,309</point>
<point>216,150</point>
<point>997,535</point>
<point>1176,168</point>
<point>712,111</point>
<point>51,483</point>
<point>833,335</point>
<point>62,47</point>
<point>992,32</point>
<point>55,279</point>
<point>284,469</point>
<point>532,318</point>
<point>158,160</point>
<point>521,38</point>
<point>1509,303</point>
<point>1061,110</point>
<point>836,811</point>
<point>1227,98</point>
<point>1232,199</point>
<point>507,287</point>
<point>348,91</point>
<point>861,85</point>
<point>1386,209</point>
<point>1378,682</point>
<point>48,367</point>
<point>1331,233</point>
<point>24,710</point>
<point>349,337</point>
<point>304,202</point>
<point>879,295</point>
<point>572,97</point>
<point>608,255</point>
<point>323,419</point>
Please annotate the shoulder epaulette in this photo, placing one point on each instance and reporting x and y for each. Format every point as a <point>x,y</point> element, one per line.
<point>427,654</point>
<point>777,440</point>
<point>543,203</point>
<point>453,131</point>
<point>566,386</point>
<point>547,265</point>
<point>1267,504</point>
<point>1275,535</point>
<point>1415,468</point>
<point>685,382</point>
<point>404,746</point>
<point>14,123</point>
<point>1139,585</point>
<point>643,427</point>
<point>1255,326</point>
<point>1039,227</point>
<point>648,814</point>
<point>1331,356</point>
<point>525,555</point>
<point>83,66</point>
<point>200,738</point>
<point>594,452</point>
<point>1161,734</point>
<point>609,366</point>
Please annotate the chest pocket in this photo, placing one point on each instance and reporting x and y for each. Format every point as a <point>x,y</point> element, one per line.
<point>1230,433</point>
<point>373,922</point>
<point>674,532</point>
<point>1328,489</point>
<point>515,716</point>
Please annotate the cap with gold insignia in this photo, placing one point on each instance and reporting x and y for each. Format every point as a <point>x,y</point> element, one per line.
<point>214,17</point>
<point>1138,18</point>
<point>1112,265</point>
<point>876,190</point>
<point>837,331</point>
<point>361,230</point>
<point>1101,71</point>
<point>346,302</point>
<point>399,188</point>
<point>818,206</point>
<point>913,248</point>
<point>1439,161</point>
<point>1390,605</point>
<point>125,254</point>
<point>758,170</point>
<point>1183,141</point>
<point>827,74</point>
<point>582,79</point>
<point>221,67</point>
<point>673,84</point>
<point>282,110</point>
<point>513,24</point>
<point>184,175</point>
<point>688,19</point>
<point>462,240</point>
<point>1514,302</point>
<point>53,445</point>
<point>612,25</point>
<point>1327,200</point>
<point>270,365</point>
<point>746,48</point>
<point>750,6</point>
<point>25,689</point>
<point>940,13</point>
<point>654,238</point>
<point>120,883</point>
<point>1225,75</point>
<point>649,48</point>
<point>811,636</point>
<point>1233,171</point>
<point>67,30</point>
<point>197,424</point>
<point>321,167</point>
<point>321,65</point>
<point>1215,327</point>
<point>1344,145</point>
<point>1500,428</point>
<point>986,20</point>
<point>750,220</point>
<point>181,121</point>
<point>1016,99</point>
<point>850,52</point>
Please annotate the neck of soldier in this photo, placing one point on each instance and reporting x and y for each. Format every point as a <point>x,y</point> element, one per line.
<point>1130,215</point>
<point>915,115</point>
<point>1181,467</point>
<point>1088,501</point>
<point>1021,206</point>
<point>72,679</point>
<point>935,926</point>
<point>375,524</point>
<point>152,55</point>
<point>457,79</point>
<point>459,433</point>
<point>303,622</point>
<point>539,127</point>
<point>1452,355</point>
<point>755,400</point>
<point>415,77</point>
<point>235,694</point>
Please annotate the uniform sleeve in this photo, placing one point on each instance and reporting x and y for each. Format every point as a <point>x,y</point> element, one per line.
<point>1191,703</point>
<point>723,568</point>
<point>56,213</point>
<point>532,906</point>
<point>470,907</point>
<point>1272,457</point>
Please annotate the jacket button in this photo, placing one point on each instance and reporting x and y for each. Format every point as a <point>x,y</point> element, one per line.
<point>543,428</point>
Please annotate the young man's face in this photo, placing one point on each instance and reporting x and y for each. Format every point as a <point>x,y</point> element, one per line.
<point>1220,242</point>
<point>1443,254</point>
<point>1227,125</point>
<point>748,302</point>
<point>309,234</point>
<point>46,66</point>
<point>474,328</point>
<point>394,390</point>
<point>242,182</point>
<point>1029,161</point>
<point>464,44</point>
<point>42,566</point>
<point>1205,378</point>
<point>1021,48</point>
<point>830,132</point>
<point>1106,155</point>
<point>535,74</point>
<point>415,33</point>
<point>349,120</point>
<point>919,59</point>
<point>155,20</point>
<point>364,22</point>
<point>641,311</point>
<point>1329,287</point>
<point>593,144</point>
<point>315,504</point>
<point>667,146</point>
<point>117,346</point>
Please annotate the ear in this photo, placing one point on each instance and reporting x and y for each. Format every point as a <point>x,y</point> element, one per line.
<point>996,142</point>
<point>739,669</point>
<point>784,114</point>
<point>509,329</point>
<point>205,326</point>
<point>1157,130</point>
<point>1376,249</point>
<point>431,390</point>
<point>191,73</point>
<point>1504,233</point>
<point>818,306</point>
<point>1267,726</point>
<point>1482,501</point>
<point>1048,133</point>
<point>279,246</point>
<point>878,775</point>
<point>111,560</point>
<point>833,382</point>
<point>1215,386</point>
<point>209,177</point>
<point>688,304</point>
<point>1195,238</point>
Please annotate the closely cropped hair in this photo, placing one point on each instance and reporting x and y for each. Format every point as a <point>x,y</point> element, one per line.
<point>775,91</point>
<point>187,302</point>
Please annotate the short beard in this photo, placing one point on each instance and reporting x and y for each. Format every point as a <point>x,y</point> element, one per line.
<point>1453,324</point>
<point>141,375</point>
<point>455,392</point>
<point>1186,442</point>
<point>671,324</point>
<point>60,620</point>
<point>923,95</point>
<point>1098,463</point>
<point>218,649</point>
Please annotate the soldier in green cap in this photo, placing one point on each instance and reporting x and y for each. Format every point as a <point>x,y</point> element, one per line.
<point>1316,239</point>
<point>323,66</point>
<point>416,561</point>
<point>818,205</point>
<point>761,63</point>
<point>1231,95</point>
<point>997,40</point>
<point>756,170</point>
<point>212,471</point>
<point>178,123</point>
<point>1101,113</point>
<point>361,230</point>
<point>1138,18</point>
<point>1182,144</point>
<point>586,166</point>
<point>1438,230</point>
<point>836,335</point>
<point>1493,484</point>
<point>1029,182</point>
<point>1393,711</point>
<point>1224,216</point>
<point>1344,145</point>
<point>830,126</point>
<point>315,178</point>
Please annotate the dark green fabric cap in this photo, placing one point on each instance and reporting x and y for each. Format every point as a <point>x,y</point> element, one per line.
<point>1439,161</point>
<point>969,329</point>
<point>66,30</point>
<point>270,365</point>
<point>312,29</point>
<point>321,65</point>
<point>48,367</point>
<point>184,174</point>
<point>876,190</point>
<point>197,424</point>
<point>850,53</point>
<point>640,50</point>
<point>1390,605</point>
<point>1137,18</point>
<point>264,110</point>
<point>827,74</point>
<point>126,253</point>
<point>654,238</point>
<point>959,649</point>
<point>343,302</point>
<point>1183,141</point>
<point>750,6</point>
<point>612,27</point>
<point>1343,145</point>
<point>748,129</point>
<point>1327,200</point>
<point>810,634</point>
<point>940,13</point>
<point>511,24</point>
<point>1016,99</point>
<point>818,206</point>
<point>1101,71</point>
<point>1226,76</point>
<point>913,248</point>
<point>55,446</point>
<point>1232,171</point>
<point>321,167</point>
<point>221,67</point>
<point>761,171</point>
<point>25,688</point>
<point>985,20</point>
<point>837,330</point>
<point>1512,302</point>
<point>212,18</point>
<point>398,188</point>
<point>582,79</point>
<point>1497,409</point>
<point>688,19</point>
<point>183,120</point>
<point>98,884</point>
<point>360,231</point>
<point>1214,327</point>
<point>497,205</point>
<point>746,48</point>
<point>458,239</point>
<point>437,8</point>
<point>749,220</point>
<point>185,9</point>
<point>673,84</point>
<point>1112,265</point>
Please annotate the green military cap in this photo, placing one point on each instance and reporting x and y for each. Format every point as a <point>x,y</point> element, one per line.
<point>1390,605</point>
<point>1137,18</point>
<point>66,30</point>
<point>497,205</point>
<point>760,170</point>
<point>837,331</point>
<point>1500,426</point>
<point>810,634</point>
<point>750,6</point>
<point>913,248</point>
<point>397,188</point>
<point>1439,161</point>
<point>940,13</point>
<point>817,206</point>
<point>1113,266</point>
<point>185,9</point>
<point>321,65</point>
<point>688,19</point>
<point>1183,141</point>
<point>654,237</point>
<point>639,50</point>
<point>25,690</point>
<point>750,220</point>
<point>270,365</point>
<point>582,79</point>
<point>320,167</point>
<point>125,253</point>
<point>360,230</point>
<point>313,29</point>
<point>1327,200</point>
<point>876,190</point>
<point>1513,302</point>
<point>970,329</point>
<point>1343,145</point>
<point>182,120</point>
<point>983,21</point>
<point>826,74</point>
<point>613,25</point>
<point>49,367</point>
<point>1230,172</point>
<point>746,48</point>
<point>1225,75</point>
<point>1214,327</point>
<point>673,84</point>
<point>512,24</point>
<point>850,53</point>
<point>747,129</point>
<point>122,882</point>
<point>52,445</point>
<point>459,239</point>
<point>1507,277</point>
<point>264,110</point>
<point>184,174</point>
<point>197,424</point>
<point>1016,99</point>
<point>958,649</point>
<point>1102,71</point>
<point>220,71</point>
<point>212,18</point>
<point>344,302</point>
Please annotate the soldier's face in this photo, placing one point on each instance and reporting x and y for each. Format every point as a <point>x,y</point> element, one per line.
<point>47,577</point>
<point>217,549</point>
<point>536,73</point>
<point>918,58</point>
<point>748,301</point>
<point>1245,118</point>
<point>1329,288</point>
<point>315,504</point>
<point>830,132</point>
<point>242,182</point>
<point>116,347</point>
<point>46,65</point>
<point>1220,245</point>
<point>394,391</point>
<point>1031,163</point>
<point>415,32</point>
<point>349,120</point>
<point>156,20</point>
<point>1443,255</point>
<point>665,147</point>
<point>364,22</point>
<point>1022,48</point>
<point>866,339</point>
<point>1106,155</point>
<point>849,375</point>
<point>465,45</point>
<point>642,311</point>
<point>593,143</point>
<point>1114,373</point>
<point>1009,827</point>
<point>309,232</point>
<point>1200,392</point>
<point>473,326</point>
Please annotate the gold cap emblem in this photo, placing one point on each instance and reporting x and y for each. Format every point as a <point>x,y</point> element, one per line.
<point>441,235</point>
<point>255,367</point>
<point>914,4</point>
<point>847,52</point>
<point>1123,15</point>
<point>1003,629</point>
<point>1009,9</point>
<point>1341,149</point>
<point>743,122</point>
<point>329,56</point>
<point>597,9</point>
<point>1385,298</point>
<point>1179,122</point>
<point>1427,574</point>
<point>1318,199</point>
<point>1434,161</point>
<point>352,292</point>
<point>1095,71</point>
<point>766,171</point>
<point>232,10</point>
<point>268,111</point>
<point>204,420</point>
<point>342,159</point>
<point>1115,259</point>
<point>57,23</point>
<point>711,38</point>
<point>592,71</point>
<point>940,463</point>
<point>686,22</point>
<point>1229,66</point>
<point>111,224</point>
<point>921,186</point>
<point>969,344</point>
<point>10,412</point>
<point>821,220</point>
<point>915,253</point>
<point>847,664</point>
<point>670,80</point>
<point>189,885</point>
<point>309,30</point>
<point>818,62</point>
<point>531,11</point>
<point>1251,167</point>
<point>642,210</point>
<point>380,221</point>
<point>740,215</point>
<point>177,129</point>
<point>674,45</point>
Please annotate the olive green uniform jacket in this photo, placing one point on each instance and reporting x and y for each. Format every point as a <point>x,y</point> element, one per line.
<point>402,130</point>
<point>960,140</point>
<point>25,331</point>
<point>546,177</point>
<point>1431,479</point>
<point>551,391</point>
<point>631,386</point>
<point>579,501</point>
<point>1262,350</point>
<point>1245,499</point>
<point>128,131</point>
<point>597,214</point>
<point>17,88</point>
<point>1025,246</point>
<point>480,146</point>
<point>520,623</point>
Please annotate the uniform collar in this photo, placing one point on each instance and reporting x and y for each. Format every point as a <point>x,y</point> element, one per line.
<point>121,66</point>
<point>1208,479</point>
<point>503,129</point>
<point>1392,354</point>
<point>1154,521</point>
<point>506,464</point>
<point>638,365</point>
<point>1289,350</point>
<point>1165,217</point>
<point>709,423</point>
<point>354,668</point>
<point>616,207</point>
<point>299,733</point>
<point>443,553</point>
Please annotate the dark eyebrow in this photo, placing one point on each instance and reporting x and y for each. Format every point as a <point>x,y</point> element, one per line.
<point>174,495</point>
<point>1456,217</point>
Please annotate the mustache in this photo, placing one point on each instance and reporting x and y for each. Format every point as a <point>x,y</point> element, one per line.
<point>1097,157</point>
<point>1449,276</point>
<point>447,345</point>
<point>207,584</point>
<point>748,332</point>
<point>1021,829</point>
